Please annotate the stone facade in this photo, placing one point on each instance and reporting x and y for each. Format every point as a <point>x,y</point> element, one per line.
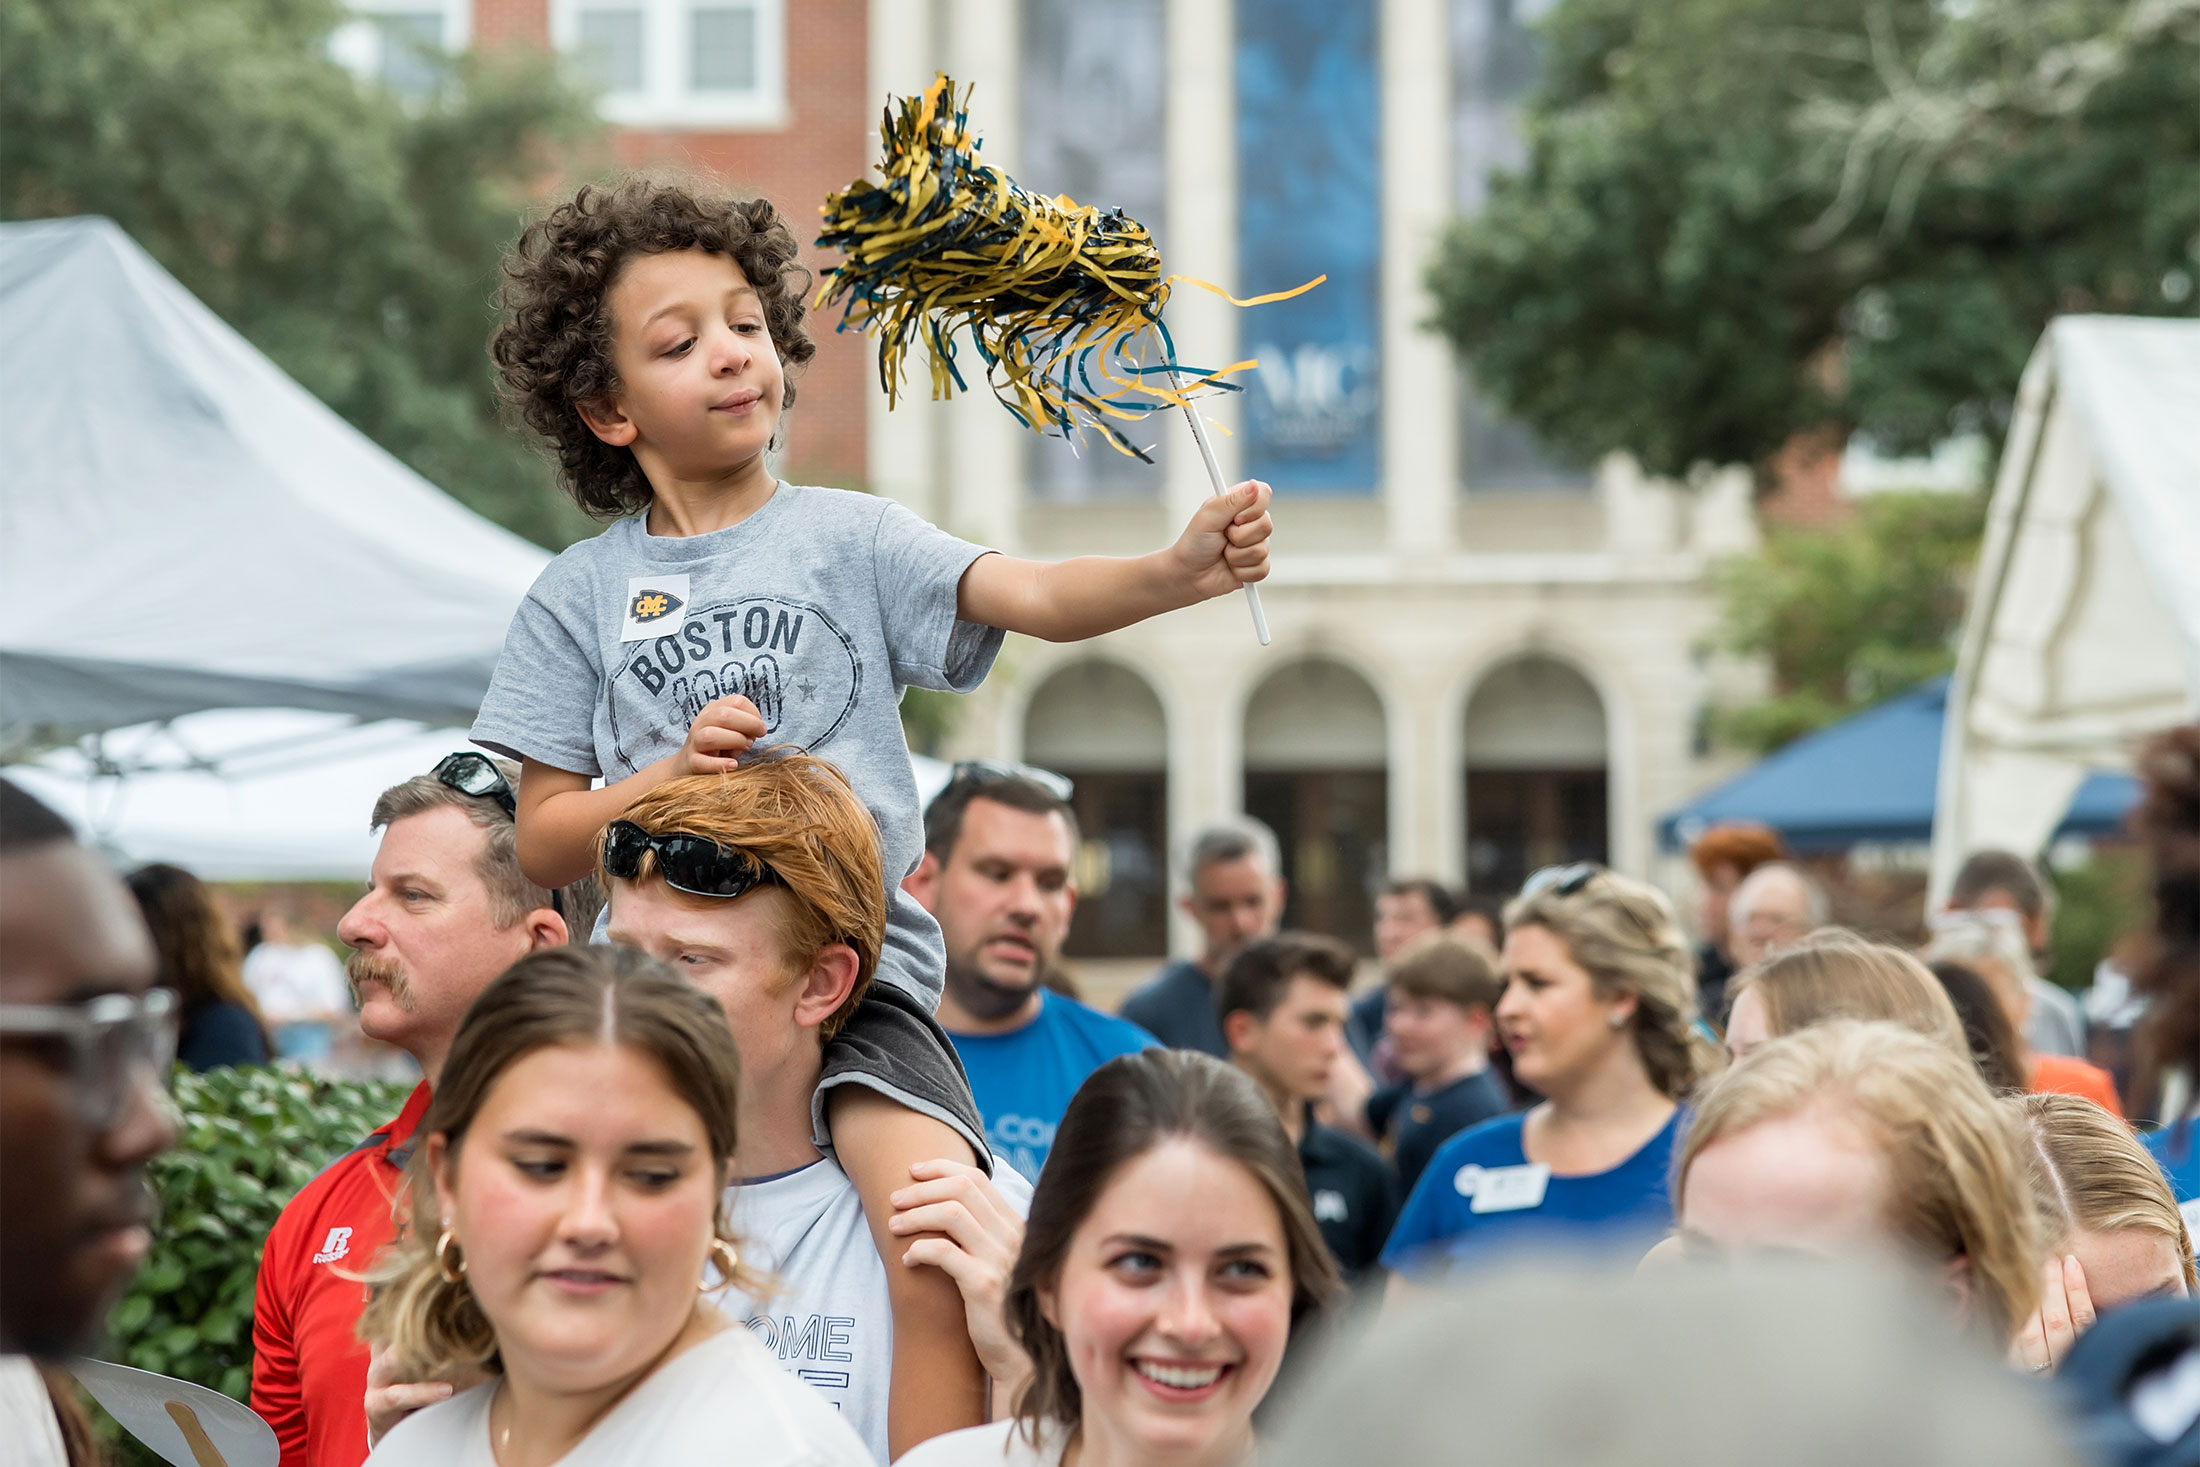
<point>1577,615</point>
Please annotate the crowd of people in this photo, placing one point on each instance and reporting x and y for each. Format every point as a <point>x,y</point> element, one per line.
<point>611,1223</point>
<point>759,1120</point>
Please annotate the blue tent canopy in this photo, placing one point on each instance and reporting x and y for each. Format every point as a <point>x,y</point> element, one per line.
<point>1870,778</point>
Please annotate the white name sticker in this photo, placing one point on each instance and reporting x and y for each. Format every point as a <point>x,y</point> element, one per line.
<point>653,607</point>
<point>1466,1179</point>
<point>1511,1188</point>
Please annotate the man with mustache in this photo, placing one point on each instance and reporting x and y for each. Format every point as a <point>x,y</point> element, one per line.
<point>446,910</point>
<point>83,1047</point>
<point>998,876</point>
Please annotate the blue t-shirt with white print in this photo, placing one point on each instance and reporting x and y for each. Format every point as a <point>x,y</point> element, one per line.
<point>1023,1080</point>
<point>1628,1208</point>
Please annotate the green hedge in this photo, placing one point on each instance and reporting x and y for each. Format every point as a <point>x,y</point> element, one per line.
<point>247,1140</point>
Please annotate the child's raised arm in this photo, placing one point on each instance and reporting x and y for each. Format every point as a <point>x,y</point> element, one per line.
<point>1224,547</point>
<point>559,816</point>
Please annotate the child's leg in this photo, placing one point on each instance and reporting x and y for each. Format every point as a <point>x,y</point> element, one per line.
<point>891,1044</point>
<point>891,1087</point>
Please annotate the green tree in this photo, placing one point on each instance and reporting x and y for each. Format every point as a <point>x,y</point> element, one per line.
<point>928,718</point>
<point>1844,618</point>
<point>248,1139</point>
<point>1745,219</point>
<point>351,234</point>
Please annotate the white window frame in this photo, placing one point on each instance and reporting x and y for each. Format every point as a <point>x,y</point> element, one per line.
<point>667,98</point>
<point>357,43</point>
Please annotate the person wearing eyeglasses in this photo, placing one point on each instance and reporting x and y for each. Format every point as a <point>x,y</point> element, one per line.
<point>764,888</point>
<point>1776,906</point>
<point>1599,1014</point>
<point>85,1040</point>
<point>446,910</point>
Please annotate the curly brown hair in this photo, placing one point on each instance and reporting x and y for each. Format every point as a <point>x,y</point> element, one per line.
<point>553,349</point>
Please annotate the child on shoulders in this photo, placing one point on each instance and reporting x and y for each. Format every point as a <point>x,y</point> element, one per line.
<point>650,335</point>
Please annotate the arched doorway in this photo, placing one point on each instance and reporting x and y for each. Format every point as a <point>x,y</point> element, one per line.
<point>1315,762</point>
<point>1537,776</point>
<point>1100,724</point>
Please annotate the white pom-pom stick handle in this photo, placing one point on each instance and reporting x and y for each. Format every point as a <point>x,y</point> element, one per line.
<point>1214,477</point>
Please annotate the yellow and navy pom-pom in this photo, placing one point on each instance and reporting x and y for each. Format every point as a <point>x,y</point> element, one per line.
<point>1063,302</point>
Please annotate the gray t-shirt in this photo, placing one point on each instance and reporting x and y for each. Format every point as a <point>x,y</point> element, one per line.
<point>820,608</point>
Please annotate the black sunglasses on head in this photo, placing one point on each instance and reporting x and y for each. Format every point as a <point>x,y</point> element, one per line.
<point>477,775</point>
<point>688,863</point>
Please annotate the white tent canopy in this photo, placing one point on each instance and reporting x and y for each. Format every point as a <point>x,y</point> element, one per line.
<point>2084,628</point>
<point>238,795</point>
<point>182,527</point>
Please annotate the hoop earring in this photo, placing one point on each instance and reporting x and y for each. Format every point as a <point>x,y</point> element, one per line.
<point>445,1270</point>
<point>727,1258</point>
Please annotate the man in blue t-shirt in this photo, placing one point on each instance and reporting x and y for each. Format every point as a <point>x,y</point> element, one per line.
<point>998,876</point>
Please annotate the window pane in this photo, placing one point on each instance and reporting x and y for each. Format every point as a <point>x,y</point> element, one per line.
<point>1093,109</point>
<point>611,48</point>
<point>412,50</point>
<point>725,49</point>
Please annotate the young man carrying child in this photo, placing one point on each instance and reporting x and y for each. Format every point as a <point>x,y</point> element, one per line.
<point>788,959</point>
<point>1441,992</point>
<point>647,336</point>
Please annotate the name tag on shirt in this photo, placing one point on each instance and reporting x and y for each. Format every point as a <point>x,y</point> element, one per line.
<point>1511,1188</point>
<point>653,606</point>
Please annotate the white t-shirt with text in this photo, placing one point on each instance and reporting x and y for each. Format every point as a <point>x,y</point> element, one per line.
<point>721,1401</point>
<point>828,1319</point>
<point>996,1444</point>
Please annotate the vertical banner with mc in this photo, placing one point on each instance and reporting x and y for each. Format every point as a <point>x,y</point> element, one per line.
<point>1309,156</point>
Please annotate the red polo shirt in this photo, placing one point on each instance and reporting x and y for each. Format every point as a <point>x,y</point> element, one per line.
<point>309,1367</point>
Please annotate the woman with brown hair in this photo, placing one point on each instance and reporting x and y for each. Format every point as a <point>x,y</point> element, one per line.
<point>201,959</point>
<point>1169,1255</point>
<point>1599,1014</point>
<point>567,1221</point>
<point>1865,1138</point>
<point>1835,974</point>
<point>2114,1233</point>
